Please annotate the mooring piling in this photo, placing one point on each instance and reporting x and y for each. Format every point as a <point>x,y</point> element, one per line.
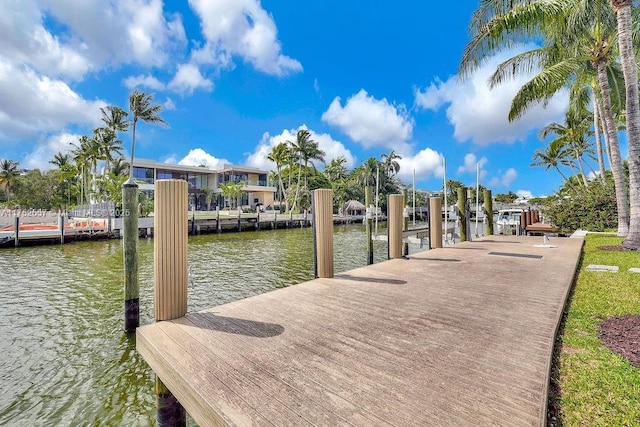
<point>322,200</point>
<point>394,225</point>
<point>368,195</point>
<point>405,220</point>
<point>488,208</point>
<point>462,213</point>
<point>130,246</point>
<point>435,223</point>
<point>170,275</point>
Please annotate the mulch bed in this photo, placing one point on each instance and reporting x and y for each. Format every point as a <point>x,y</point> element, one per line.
<point>621,334</point>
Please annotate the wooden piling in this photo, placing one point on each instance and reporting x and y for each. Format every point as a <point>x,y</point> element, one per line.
<point>394,225</point>
<point>405,220</point>
<point>435,222</point>
<point>239,219</point>
<point>130,245</point>
<point>368,197</point>
<point>16,227</point>
<point>488,207</point>
<point>462,213</point>
<point>218,226</point>
<point>170,277</point>
<point>258,218</point>
<point>323,232</point>
<point>61,227</point>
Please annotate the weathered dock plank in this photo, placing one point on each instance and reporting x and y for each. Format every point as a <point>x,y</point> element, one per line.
<point>451,336</point>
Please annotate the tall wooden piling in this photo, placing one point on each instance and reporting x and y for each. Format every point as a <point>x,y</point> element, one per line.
<point>368,196</point>
<point>16,227</point>
<point>462,213</point>
<point>435,222</point>
<point>394,225</point>
<point>405,220</point>
<point>322,200</point>
<point>170,276</point>
<point>61,227</point>
<point>130,245</point>
<point>218,225</point>
<point>488,207</point>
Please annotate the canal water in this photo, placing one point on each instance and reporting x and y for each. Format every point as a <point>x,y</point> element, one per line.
<point>64,358</point>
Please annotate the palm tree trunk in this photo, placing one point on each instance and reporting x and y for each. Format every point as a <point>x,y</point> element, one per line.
<point>565,178</point>
<point>623,10</point>
<point>596,127</point>
<point>615,158</point>
<point>295,199</point>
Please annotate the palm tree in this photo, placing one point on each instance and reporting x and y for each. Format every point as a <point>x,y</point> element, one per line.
<point>141,108</point>
<point>280,155</point>
<point>107,145</point>
<point>624,10</point>
<point>232,190</point>
<point>304,149</point>
<point>552,156</point>
<point>336,170</point>
<point>391,165</point>
<point>9,173</point>
<point>115,118</point>
<point>576,34</point>
<point>60,159</point>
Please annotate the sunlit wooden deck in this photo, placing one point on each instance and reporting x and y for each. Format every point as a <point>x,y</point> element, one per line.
<point>455,336</point>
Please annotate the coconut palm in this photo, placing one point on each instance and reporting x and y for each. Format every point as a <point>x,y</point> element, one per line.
<point>391,165</point>
<point>304,149</point>
<point>142,108</point>
<point>623,10</point>
<point>552,156</point>
<point>108,144</point>
<point>9,173</point>
<point>60,159</point>
<point>280,156</point>
<point>336,170</point>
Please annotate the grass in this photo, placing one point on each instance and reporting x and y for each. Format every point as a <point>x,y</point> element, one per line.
<point>597,387</point>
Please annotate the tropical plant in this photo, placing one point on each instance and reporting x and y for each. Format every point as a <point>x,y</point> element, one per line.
<point>390,161</point>
<point>142,108</point>
<point>280,155</point>
<point>9,173</point>
<point>304,149</point>
<point>232,191</point>
<point>60,159</point>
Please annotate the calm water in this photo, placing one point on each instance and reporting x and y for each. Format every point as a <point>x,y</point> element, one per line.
<point>64,359</point>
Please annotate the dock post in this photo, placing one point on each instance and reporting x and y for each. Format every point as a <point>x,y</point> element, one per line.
<point>258,219</point>
<point>130,245</point>
<point>368,196</point>
<point>218,226</point>
<point>291,218</point>
<point>462,213</point>
<point>394,225</point>
<point>170,275</point>
<point>405,220</point>
<point>488,207</point>
<point>435,222</point>
<point>16,225</point>
<point>239,219</point>
<point>61,226</point>
<point>275,220</point>
<point>193,221</point>
<point>322,200</point>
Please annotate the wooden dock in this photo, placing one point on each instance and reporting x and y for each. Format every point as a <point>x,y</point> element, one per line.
<point>456,336</point>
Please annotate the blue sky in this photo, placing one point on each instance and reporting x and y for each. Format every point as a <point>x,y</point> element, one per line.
<point>235,77</point>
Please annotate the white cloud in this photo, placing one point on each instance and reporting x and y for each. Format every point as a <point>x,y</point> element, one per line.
<point>470,165</point>
<point>33,104</point>
<point>241,28</point>
<point>524,194</point>
<point>480,114</point>
<point>43,152</point>
<point>168,104</point>
<point>332,148</point>
<point>188,78</point>
<point>427,163</point>
<point>505,179</point>
<point>144,81</point>
<point>372,122</point>
<point>197,157</point>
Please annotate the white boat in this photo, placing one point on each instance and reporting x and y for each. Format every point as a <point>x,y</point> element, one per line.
<point>508,221</point>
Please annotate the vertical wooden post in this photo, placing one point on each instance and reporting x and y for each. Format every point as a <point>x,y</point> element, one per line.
<point>193,221</point>
<point>275,220</point>
<point>405,220</point>
<point>394,225</point>
<point>523,223</point>
<point>323,231</point>
<point>488,207</point>
<point>462,213</point>
<point>218,226</point>
<point>61,226</point>
<point>258,218</point>
<point>239,219</point>
<point>368,196</point>
<point>16,226</point>
<point>435,222</point>
<point>130,245</point>
<point>170,276</point>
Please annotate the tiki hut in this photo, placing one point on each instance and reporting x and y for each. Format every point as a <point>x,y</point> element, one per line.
<point>353,207</point>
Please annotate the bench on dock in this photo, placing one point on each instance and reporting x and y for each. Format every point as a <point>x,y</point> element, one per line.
<point>539,228</point>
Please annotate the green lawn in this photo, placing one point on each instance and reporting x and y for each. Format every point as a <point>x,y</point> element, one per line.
<point>597,387</point>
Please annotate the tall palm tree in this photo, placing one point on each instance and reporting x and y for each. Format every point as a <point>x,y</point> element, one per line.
<point>623,10</point>
<point>552,156</point>
<point>337,169</point>
<point>280,156</point>
<point>9,173</point>
<point>60,159</point>
<point>391,165</point>
<point>142,108</point>
<point>107,144</point>
<point>115,118</point>
<point>304,149</point>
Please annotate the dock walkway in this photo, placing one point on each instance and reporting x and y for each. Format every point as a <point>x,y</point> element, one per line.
<point>456,336</point>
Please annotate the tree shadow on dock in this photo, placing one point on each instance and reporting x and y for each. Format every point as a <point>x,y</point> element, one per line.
<point>370,279</point>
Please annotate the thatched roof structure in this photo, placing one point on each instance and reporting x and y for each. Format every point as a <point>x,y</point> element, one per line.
<point>353,207</point>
